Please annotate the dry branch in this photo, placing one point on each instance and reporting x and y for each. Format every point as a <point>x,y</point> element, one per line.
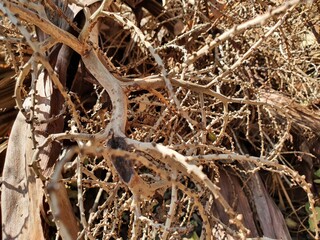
<point>159,121</point>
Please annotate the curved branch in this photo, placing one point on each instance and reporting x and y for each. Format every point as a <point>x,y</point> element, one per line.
<point>46,26</point>
<point>115,91</point>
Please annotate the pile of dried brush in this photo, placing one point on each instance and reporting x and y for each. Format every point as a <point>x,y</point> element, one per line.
<point>159,120</point>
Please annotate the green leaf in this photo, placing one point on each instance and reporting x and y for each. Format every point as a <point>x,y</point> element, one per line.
<point>211,136</point>
<point>307,207</point>
<point>291,223</point>
<point>312,224</point>
<point>316,180</point>
<point>317,173</point>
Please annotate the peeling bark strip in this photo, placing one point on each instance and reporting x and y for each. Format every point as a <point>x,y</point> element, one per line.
<point>26,206</point>
<point>21,194</point>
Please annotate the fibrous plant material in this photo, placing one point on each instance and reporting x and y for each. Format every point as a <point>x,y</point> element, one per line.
<point>159,119</point>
